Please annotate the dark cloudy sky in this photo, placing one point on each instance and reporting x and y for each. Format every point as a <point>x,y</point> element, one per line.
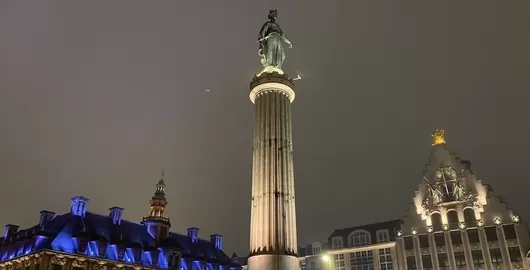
<point>98,96</point>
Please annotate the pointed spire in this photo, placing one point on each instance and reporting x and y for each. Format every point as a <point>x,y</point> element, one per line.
<point>438,137</point>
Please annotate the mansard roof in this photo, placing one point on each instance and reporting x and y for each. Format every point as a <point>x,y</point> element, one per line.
<point>56,234</point>
<point>391,225</point>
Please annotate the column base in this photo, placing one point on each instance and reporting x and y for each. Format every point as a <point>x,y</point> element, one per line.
<point>273,262</point>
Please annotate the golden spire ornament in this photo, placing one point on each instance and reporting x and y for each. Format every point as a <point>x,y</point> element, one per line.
<point>438,137</point>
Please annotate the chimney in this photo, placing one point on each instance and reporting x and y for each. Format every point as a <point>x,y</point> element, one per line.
<point>217,240</point>
<point>45,216</point>
<point>79,204</point>
<point>115,214</point>
<point>193,234</point>
<point>10,231</point>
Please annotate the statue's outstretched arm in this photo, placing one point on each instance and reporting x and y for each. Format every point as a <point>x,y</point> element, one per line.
<point>288,41</point>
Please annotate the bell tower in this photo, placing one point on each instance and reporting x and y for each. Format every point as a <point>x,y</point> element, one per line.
<point>157,224</point>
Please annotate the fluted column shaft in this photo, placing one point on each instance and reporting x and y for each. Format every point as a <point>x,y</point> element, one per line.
<point>273,216</point>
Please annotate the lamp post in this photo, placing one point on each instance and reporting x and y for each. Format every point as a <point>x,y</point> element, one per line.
<point>326,260</point>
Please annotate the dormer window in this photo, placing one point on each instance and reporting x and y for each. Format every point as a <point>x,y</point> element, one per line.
<point>383,236</point>
<point>336,243</point>
<point>359,238</point>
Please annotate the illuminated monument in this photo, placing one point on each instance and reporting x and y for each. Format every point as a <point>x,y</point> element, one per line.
<point>84,240</point>
<point>273,240</point>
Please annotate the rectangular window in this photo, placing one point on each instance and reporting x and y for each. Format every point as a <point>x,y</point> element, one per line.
<point>411,263</point>
<point>491,233</point>
<point>424,241</point>
<point>56,267</point>
<point>460,258</point>
<point>472,235</point>
<point>316,251</point>
<point>478,258</point>
<point>337,243</point>
<point>383,236</point>
<point>509,232</point>
<point>339,262</point>
<point>313,265</point>
<point>408,243</point>
<point>443,261</point>
<point>515,254</point>
<point>456,237</point>
<point>496,256</point>
<point>439,238</point>
<point>362,260</point>
<point>427,262</point>
<point>385,259</point>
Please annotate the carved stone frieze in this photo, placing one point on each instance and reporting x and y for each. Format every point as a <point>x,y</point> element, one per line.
<point>79,263</point>
<point>59,260</point>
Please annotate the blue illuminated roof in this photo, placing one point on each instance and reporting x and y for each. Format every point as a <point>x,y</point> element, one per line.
<point>62,228</point>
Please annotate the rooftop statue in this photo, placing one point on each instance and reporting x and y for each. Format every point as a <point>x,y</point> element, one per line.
<point>271,50</point>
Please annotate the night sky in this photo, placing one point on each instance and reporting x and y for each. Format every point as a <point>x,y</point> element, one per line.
<point>97,97</point>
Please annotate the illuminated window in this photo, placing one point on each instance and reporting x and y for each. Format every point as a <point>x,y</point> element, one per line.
<point>385,259</point>
<point>359,238</point>
<point>383,236</point>
<point>362,260</point>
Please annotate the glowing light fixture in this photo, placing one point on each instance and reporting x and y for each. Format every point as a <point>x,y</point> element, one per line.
<point>497,220</point>
<point>516,219</point>
<point>462,225</point>
<point>325,257</point>
<point>429,229</point>
<point>445,227</point>
<point>414,231</point>
<point>399,233</point>
<point>480,223</point>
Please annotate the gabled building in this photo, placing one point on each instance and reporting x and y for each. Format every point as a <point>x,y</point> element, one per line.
<point>81,239</point>
<point>456,221</point>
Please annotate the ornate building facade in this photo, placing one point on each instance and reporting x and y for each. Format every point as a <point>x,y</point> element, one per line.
<point>457,222</point>
<point>82,240</point>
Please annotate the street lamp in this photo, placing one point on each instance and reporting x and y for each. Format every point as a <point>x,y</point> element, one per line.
<point>326,260</point>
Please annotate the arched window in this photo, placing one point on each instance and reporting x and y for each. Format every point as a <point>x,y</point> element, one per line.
<point>436,220</point>
<point>452,219</point>
<point>359,238</point>
<point>469,217</point>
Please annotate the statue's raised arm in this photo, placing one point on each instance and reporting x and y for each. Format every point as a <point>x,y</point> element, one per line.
<point>271,39</point>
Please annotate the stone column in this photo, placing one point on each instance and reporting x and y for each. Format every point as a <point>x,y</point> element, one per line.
<point>450,251</point>
<point>504,248</point>
<point>377,261</point>
<point>401,256</point>
<point>434,253</point>
<point>395,258</point>
<point>417,252</point>
<point>485,248</point>
<point>519,231</point>
<point>467,250</point>
<point>273,238</point>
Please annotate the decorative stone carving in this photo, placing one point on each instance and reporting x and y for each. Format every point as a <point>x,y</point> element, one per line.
<point>79,263</point>
<point>59,260</point>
